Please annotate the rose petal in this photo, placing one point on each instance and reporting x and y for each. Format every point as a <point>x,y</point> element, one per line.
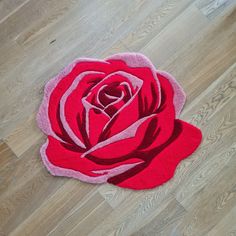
<point>117,77</point>
<point>140,66</point>
<point>125,111</point>
<point>122,144</point>
<point>165,118</point>
<point>161,168</point>
<point>47,116</point>
<point>145,103</point>
<point>179,94</point>
<point>64,160</point>
<point>104,99</point>
<point>72,107</point>
<point>94,120</point>
<point>110,103</point>
<point>122,119</point>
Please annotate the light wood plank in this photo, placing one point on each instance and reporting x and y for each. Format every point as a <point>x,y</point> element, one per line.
<point>38,13</point>
<point>226,226</point>
<point>203,60</point>
<point>7,166</point>
<point>211,204</point>
<point>218,131</point>
<point>91,221</point>
<point>137,210</point>
<point>163,13</point>
<point>193,40</point>
<point>25,136</point>
<point>8,7</point>
<point>54,208</point>
<point>163,221</point>
<point>212,8</point>
<point>6,154</point>
<point>79,221</point>
<point>167,43</point>
<point>27,186</point>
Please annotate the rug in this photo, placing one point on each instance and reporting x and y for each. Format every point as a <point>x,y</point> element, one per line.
<point>115,120</point>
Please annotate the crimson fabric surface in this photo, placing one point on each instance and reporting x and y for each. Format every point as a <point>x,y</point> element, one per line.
<point>115,120</point>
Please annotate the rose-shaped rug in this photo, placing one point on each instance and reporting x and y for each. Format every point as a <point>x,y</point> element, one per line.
<point>115,120</point>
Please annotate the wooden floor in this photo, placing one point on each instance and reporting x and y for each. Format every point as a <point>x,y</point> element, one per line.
<point>193,40</point>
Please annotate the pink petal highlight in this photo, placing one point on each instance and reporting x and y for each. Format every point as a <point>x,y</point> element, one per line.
<point>137,83</point>
<point>179,94</point>
<point>87,107</point>
<point>137,60</point>
<point>63,102</point>
<point>104,174</point>
<point>130,132</point>
<point>42,115</point>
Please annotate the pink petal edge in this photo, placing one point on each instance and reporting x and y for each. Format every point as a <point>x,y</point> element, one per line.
<point>42,115</point>
<point>65,124</point>
<point>179,94</point>
<point>104,174</point>
<point>133,59</point>
<point>130,132</point>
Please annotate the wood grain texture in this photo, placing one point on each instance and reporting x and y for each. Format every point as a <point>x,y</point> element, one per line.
<point>195,40</point>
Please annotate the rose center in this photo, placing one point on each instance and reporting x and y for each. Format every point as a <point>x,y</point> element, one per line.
<point>112,93</point>
<point>113,96</point>
<point>109,94</point>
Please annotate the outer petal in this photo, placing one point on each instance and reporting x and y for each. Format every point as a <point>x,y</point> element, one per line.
<point>179,94</point>
<point>47,118</point>
<point>122,144</point>
<point>165,118</point>
<point>140,66</point>
<point>62,160</point>
<point>164,161</point>
<point>72,108</point>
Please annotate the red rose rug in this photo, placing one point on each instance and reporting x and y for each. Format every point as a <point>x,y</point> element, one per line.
<point>115,120</point>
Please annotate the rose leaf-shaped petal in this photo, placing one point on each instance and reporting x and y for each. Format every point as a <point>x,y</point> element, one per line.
<point>62,160</point>
<point>179,94</point>
<point>47,116</point>
<point>165,159</point>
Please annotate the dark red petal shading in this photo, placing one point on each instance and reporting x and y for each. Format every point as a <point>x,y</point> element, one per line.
<point>121,145</point>
<point>61,159</point>
<point>149,94</point>
<point>113,94</point>
<point>165,118</point>
<point>112,80</point>
<point>179,94</point>
<point>186,138</point>
<point>75,112</point>
<point>63,85</point>
<point>123,119</point>
<point>115,105</point>
<point>96,122</point>
<point>144,103</point>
